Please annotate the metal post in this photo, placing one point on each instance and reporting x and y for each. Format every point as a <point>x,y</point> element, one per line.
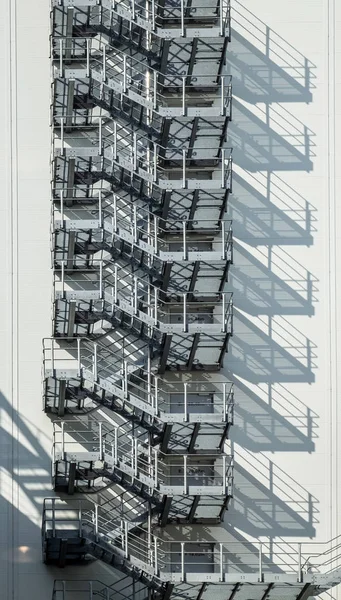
<point>115,141</point>
<point>185,474</point>
<point>156,568</point>
<point>224,400</point>
<point>154,89</point>
<point>104,74</point>
<point>155,234</point>
<point>79,356</point>
<point>184,168</point>
<point>115,447</point>
<point>135,223</point>
<point>63,438</point>
<point>299,563</point>
<point>222,88</point>
<point>63,278</point>
<point>156,385</point>
<point>125,378</point>
<point>223,168</point>
<point>126,538</point>
<point>80,518</point>
<point>61,57</point>
<point>62,208</point>
<point>155,305</point>
<point>223,249</point>
<point>185,312</point>
<point>135,457</point>
<point>223,320</point>
<point>135,296</point>
<point>182,19</point>
<point>182,561</point>
<point>100,216</point>
<point>53,517</point>
<point>115,213</point>
<point>124,73</point>
<point>221,18</point>
<point>156,475</point>
<point>133,9</point>
<point>153,15</point>
<point>260,561</point>
<point>100,137</point>
<point>115,284</point>
<point>134,151</point>
<point>154,163</point>
<point>224,476</point>
<point>100,435</point>
<point>185,403</point>
<point>95,363</point>
<point>221,562</point>
<point>184,240</point>
<point>88,57</point>
<point>52,356</point>
<point>96,522</point>
<point>62,135</point>
<point>101,280</point>
<point>183,96</point>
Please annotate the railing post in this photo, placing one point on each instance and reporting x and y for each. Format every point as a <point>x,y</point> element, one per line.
<point>156,567</point>
<point>88,57</point>
<point>182,561</point>
<point>184,168</point>
<point>156,403</point>
<point>223,168</point>
<point>135,457</point>
<point>115,141</point>
<point>260,563</point>
<point>223,245</point>
<point>182,19</point>
<point>221,555</point>
<point>52,356</point>
<point>224,476</point>
<point>63,278</point>
<point>185,474</point>
<point>80,518</point>
<point>125,379</point>
<point>100,136</point>
<point>96,522</point>
<point>115,213</point>
<point>63,438</point>
<point>221,18</point>
<point>115,446</point>
<point>101,280</point>
<point>156,474</point>
<point>224,401</point>
<point>135,296</point>
<point>183,96</point>
<point>95,363</point>
<point>153,15</point>
<point>155,234</point>
<point>134,150</point>
<point>79,357</point>
<point>62,135</point>
<point>61,57</point>
<point>115,283</point>
<point>133,9</point>
<point>100,216</point>
<point>223,323</point>
<point>100,435</point>
<point>126,539</point>
<point>222,89</point>
<point>156,305</point>
<point>185,312</point>
<point>185,403</point>
<point>184,241</point>
<point>154,88</point>
<point>104,74</point>
<point>154,162</point>
<point>53,510</point>
<point>62,208</point>
<point>135,223</point>
<point>124,73</point>
<point>299,563</point>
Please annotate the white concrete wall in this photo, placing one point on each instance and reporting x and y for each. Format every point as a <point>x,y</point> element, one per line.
<point>285,59</point>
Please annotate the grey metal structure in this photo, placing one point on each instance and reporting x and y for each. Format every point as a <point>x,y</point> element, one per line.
<point>141,251</point>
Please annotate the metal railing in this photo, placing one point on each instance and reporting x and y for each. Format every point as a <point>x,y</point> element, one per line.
<point>92,440</point>
<point>171,167</point>
<point>124,75</point>
<point>179,560</point>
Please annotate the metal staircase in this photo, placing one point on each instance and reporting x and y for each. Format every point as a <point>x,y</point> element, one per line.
<point>141,321</point>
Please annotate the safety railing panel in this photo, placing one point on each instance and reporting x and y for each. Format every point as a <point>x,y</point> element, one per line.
<point>167,95</point>
<point>116,448</point>
<point>169,168</point>
<point>169,20</point>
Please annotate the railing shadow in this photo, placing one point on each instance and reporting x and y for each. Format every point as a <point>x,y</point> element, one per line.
<point>272,419</point>
<point>269,139</point>
<point>270,282</point>
<point>281,355</point>
<point>268,69</point>
<point>266,499</point>
<point>267,211</point>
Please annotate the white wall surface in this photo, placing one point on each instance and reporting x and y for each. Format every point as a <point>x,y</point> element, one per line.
<point>285,59</point>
